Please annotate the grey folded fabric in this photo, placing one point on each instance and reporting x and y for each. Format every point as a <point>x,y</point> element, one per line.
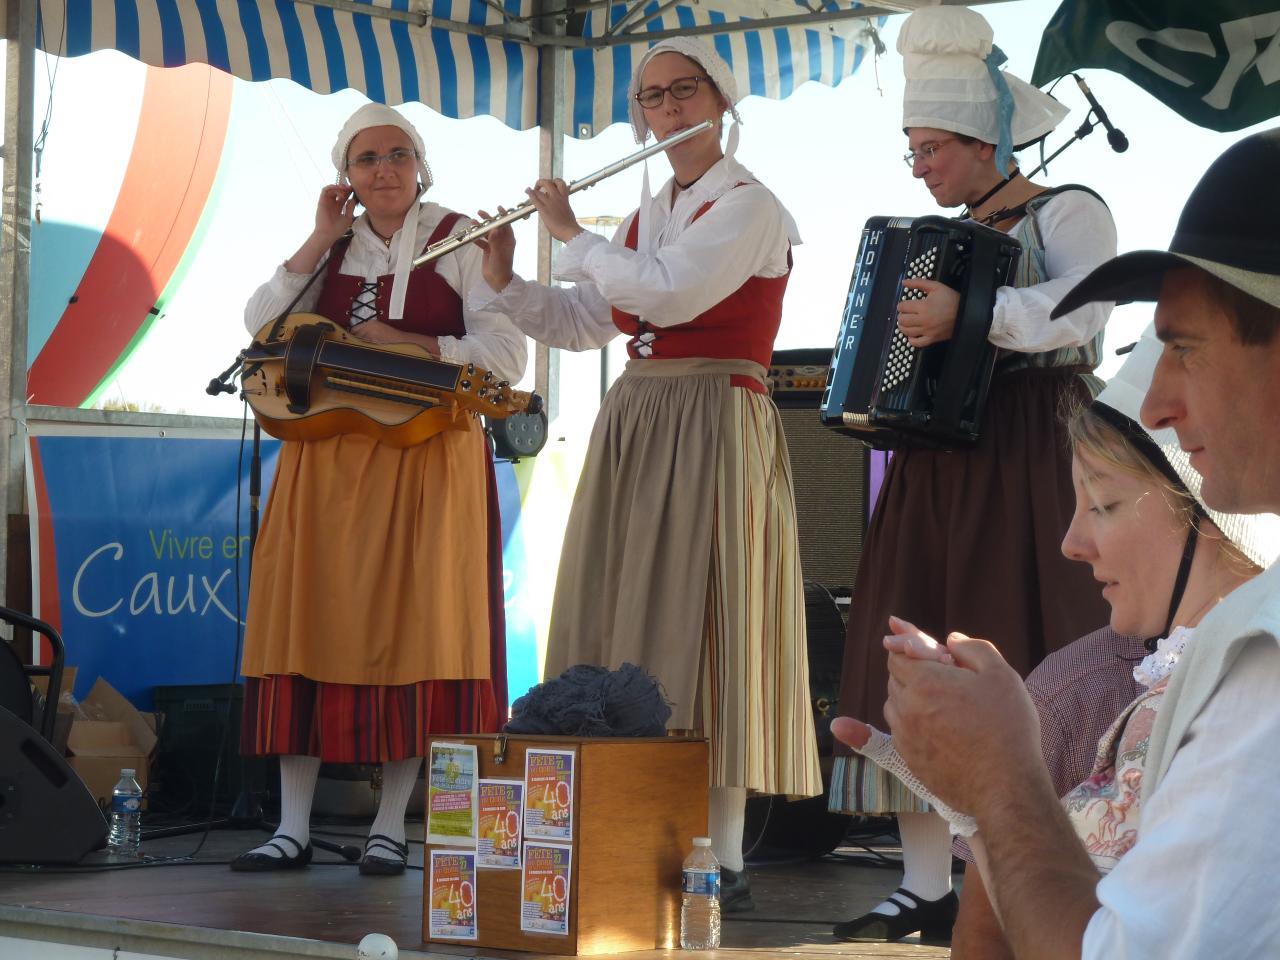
<point>590,701</point>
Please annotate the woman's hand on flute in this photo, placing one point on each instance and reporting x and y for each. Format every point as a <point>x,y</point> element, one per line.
<point>499,248</point>
<point>551,197</point>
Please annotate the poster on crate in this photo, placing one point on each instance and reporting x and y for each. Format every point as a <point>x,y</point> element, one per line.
<point>500,820</point>
<point>451,795</point>
<point>453,894</point>
<point>544,885</point>
<point>548,794</point>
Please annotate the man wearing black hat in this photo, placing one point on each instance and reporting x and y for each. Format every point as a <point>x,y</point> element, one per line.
<point>1198,881</point>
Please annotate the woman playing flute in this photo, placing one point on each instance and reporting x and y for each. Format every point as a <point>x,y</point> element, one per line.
<point>680,552</point>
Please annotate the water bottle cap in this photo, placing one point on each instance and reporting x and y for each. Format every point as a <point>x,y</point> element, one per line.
<point>128,772</point>
<point>702,841</point>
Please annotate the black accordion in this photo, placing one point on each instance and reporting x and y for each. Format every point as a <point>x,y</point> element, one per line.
<point>881,389</point>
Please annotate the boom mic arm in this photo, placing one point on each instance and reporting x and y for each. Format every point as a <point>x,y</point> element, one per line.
<point>1119,142</point>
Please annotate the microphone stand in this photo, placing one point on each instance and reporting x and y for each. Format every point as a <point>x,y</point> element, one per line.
<point>246,811</point>
<point>1082,131</point>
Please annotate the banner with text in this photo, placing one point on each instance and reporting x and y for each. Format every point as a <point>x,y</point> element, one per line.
<point>139,545</point>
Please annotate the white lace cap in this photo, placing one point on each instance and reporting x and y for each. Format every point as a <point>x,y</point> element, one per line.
<point>1257,535</point>
<point>949,86</point>
<point>380,115</point>
<point>703,55</point>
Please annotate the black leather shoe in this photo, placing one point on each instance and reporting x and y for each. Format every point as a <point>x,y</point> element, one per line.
<point>378,859</point>
<point>735,891</point>
<point>252,862</point>
<point>933,918</point>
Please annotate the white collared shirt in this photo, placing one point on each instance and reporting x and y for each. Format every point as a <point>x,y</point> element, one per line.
<point>690,267</point>
<point>1079,234</point>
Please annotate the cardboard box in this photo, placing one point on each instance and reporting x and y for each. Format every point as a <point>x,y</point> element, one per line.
<point>66,710</point>
<point>110,735</point>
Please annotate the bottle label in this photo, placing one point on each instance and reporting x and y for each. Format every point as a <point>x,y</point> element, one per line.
<point>125,803</point>
<point>703,882</point>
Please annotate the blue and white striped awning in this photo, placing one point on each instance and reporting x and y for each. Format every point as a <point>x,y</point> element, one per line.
<point>465,57</point>
<point>766,62</point>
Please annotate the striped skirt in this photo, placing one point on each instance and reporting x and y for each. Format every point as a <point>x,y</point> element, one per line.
<point>347,723</point>
<point>681,555</point>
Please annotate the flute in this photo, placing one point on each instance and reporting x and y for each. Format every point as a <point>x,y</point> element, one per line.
<point>478,230</point>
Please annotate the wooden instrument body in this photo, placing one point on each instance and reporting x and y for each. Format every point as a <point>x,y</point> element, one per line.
<point>308,379</point>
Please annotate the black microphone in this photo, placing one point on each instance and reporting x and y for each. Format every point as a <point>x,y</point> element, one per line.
<point>1119,142</point>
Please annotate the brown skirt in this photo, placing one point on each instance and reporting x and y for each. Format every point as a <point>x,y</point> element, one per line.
<point>970,541</point>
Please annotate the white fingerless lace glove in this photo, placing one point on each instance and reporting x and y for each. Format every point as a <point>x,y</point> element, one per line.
<point>879,749</point>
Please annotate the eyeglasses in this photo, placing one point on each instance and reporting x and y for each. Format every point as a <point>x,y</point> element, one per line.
<point>926,152</point>
<point>681,88</point>
<point>396,159</point>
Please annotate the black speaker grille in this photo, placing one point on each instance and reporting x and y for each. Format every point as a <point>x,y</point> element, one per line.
<point>830,475</point>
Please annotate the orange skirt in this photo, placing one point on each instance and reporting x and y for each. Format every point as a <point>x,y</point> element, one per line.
<point>375,565</point>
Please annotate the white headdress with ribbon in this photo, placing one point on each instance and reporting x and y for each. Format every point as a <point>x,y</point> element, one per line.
<point>721,75</point>
<point>954,82</point>
<point>380,115</point>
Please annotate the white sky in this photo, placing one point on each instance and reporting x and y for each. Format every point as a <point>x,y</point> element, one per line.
<point>832,155</point>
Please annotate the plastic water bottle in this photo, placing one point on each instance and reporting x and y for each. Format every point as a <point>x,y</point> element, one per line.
<point>700,903</point>
<point>126,815</point>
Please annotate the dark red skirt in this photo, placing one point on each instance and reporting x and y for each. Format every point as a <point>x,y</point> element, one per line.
<point>344,723</point>
<point>971,541</point>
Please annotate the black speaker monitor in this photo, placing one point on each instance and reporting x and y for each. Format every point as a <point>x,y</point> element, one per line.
<point>829,471</point>
<point>47,814</point>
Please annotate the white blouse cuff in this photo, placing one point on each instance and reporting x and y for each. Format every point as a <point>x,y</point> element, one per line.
<point>571,261</point>
<point>482,297</point>
<point>288,283</point>
<point>449,349</point>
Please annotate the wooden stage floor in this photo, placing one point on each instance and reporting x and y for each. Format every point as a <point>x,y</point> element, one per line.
<point>201,910</point>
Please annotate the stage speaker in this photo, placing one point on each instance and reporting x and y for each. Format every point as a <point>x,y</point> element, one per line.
<point>829,471</point>
<point>47,814</point>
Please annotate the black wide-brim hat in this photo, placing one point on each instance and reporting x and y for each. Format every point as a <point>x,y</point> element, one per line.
<point>1228,228</point>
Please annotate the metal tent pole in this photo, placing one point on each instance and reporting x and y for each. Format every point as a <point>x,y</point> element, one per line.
<point>15,258</point>
<point>552,20</point>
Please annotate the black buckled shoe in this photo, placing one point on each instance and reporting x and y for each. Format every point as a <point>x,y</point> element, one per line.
<point>933,918</point>
<point>735,891</point>
<point>253,862</point>
<point>379,858</point>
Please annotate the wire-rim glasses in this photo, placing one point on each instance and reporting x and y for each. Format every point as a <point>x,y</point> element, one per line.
<point>681,88</point>
<point>396,159</point>
<point>926,152</point>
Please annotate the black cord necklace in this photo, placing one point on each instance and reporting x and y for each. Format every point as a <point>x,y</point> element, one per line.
<point>686,186</point>
<point>991,218</point>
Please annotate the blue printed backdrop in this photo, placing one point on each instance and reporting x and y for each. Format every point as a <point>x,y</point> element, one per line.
<point>141,564</point>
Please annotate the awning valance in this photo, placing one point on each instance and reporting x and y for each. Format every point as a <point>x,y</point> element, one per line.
<point>468,57</point>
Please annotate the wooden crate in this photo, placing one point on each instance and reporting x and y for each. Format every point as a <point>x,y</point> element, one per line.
<point>637,805</point>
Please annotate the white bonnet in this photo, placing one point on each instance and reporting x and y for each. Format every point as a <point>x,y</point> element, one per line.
<point>703,55</point>
<point>1256,535</point>
<point>953,82</point>
<point>378,115</point>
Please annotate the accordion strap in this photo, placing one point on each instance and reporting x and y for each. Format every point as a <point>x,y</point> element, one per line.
<point>969,340</point>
